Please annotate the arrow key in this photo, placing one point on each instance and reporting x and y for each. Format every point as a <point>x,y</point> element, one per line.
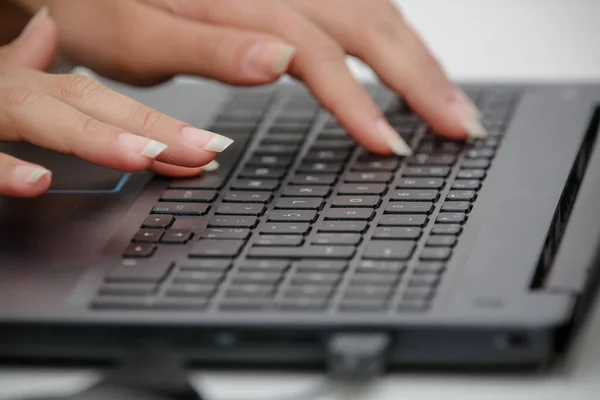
<point>176,236</point>
<point>147,236</point>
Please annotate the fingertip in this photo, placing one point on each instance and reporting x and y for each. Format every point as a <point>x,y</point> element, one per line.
<point>30,181</point>
<point>175,171</point>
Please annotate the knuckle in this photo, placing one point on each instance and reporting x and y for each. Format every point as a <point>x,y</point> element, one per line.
<point>90,126</point>
<point>149,119</point>
<point>17,97</point>
<point>327,51</point>
<point>79,88</point>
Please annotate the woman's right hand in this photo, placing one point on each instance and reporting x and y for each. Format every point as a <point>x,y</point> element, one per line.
<point>76,115</point>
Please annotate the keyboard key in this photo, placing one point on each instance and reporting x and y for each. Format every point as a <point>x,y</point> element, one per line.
<point>446,229</point>
<point>217,248</point>
<point>263,173</point>
<point>312,291</point>
<point>327,155</point>
<point>127,289</point>
<point>244,304</point>
<point>468,195</point>
<point>158,221</point>
<point>282,228</point>
<point>412,207</point>
<point>385,279</point>
<point>180,208</point>
<point>343,226</point>
<point>415,195</point>
<point>284,138</point>
<point>430,281</point>
<point>299,203</point>
<point>471,174</point>
<point>190,290</point>
<point>240,209</point>
<point>315,252</point>
<point>466,184</point>
<point>355,201</point>
<point>389,250</point>
<point>303,304</point>
<point>441,241</point>
<point>198,277</point>
<point>262,278</point>
<point>381,267</point>
<point>315,278</point>
<point>276,149</point>
<point>433,159</point>
<point>409,233</point>
<point>148,236</point>
<point>278,266</point>
<point>199,196</point>
<point>388,164</point>
<point>306,191</point>
<point>368,177</point>
<point>403,220</point>
<point>122,303</point>
<point>451,218</point>
<point>368,292</point>
<point>270,161</point>
<point>476,163</point>
<point>350,239</point>
<point>420,183</point>
<point>363,214</point>
<point>134,270</point>
<point>176,236</point>
<point>427,172</point>
<point>363,305</point>
<point>255,184</point>
<point>292,216</point>
<point>429,268</point>
<point>247,197</point>
<point>413,306</point>
<point>226,233</point>
<point>232,222</point>
<point>250,290</point>
<point>279,240</point>
<point>321,167</point>
<point>333,144</point>
<point>323,266</point>
<point>139,250</point>
<point>480,153</point>
<point>352,188</point>
<point>460,206</point>
<point>305,179</point>
<point>436,254</point>
<point>209,265</point>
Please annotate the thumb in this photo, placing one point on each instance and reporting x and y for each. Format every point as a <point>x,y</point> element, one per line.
<point>35,47</point>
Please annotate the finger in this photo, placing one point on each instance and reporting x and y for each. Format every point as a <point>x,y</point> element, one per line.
<point>36,45</point>
<point>173,45</point>
<point>175,171</point>
<point>401,59</point>
<point>41,119</point>
<point>319,61</point>
<point>187,146</point>
<point>22,179</point>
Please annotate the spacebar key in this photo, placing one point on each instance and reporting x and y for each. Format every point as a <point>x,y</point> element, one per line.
<point>320,252</point>
<point>216,179</point>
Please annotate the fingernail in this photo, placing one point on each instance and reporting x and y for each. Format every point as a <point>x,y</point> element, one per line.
<point>41,13</point>
<point>205,140</point>
<point>268,59</point>
<point>468,115</point>
<point>211,166</point>
<point>29,174</point>
<point>393,139</point>
<point>142,145</point>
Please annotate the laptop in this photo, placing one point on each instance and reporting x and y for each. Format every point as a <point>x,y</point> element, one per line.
<point>303,248</point>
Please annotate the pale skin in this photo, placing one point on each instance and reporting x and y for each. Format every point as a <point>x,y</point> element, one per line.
<point>242,42</point>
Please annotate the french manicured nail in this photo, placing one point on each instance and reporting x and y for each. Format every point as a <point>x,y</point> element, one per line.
<point>41,13</point>
<point>211,166</point>
<point>205,140</point>
<point>30,174</point>
<point>268,59</point>
<point>393,139</point>
<point>468,115</point>
<point>142,145</point>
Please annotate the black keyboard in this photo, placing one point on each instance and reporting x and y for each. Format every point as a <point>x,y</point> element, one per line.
<point>307,220</point>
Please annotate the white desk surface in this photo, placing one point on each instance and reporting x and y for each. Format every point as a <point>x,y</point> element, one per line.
<point>477,40</point>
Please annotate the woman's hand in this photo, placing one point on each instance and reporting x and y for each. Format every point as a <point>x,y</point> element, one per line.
<point>254,41</point>
<point>76,115</point>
